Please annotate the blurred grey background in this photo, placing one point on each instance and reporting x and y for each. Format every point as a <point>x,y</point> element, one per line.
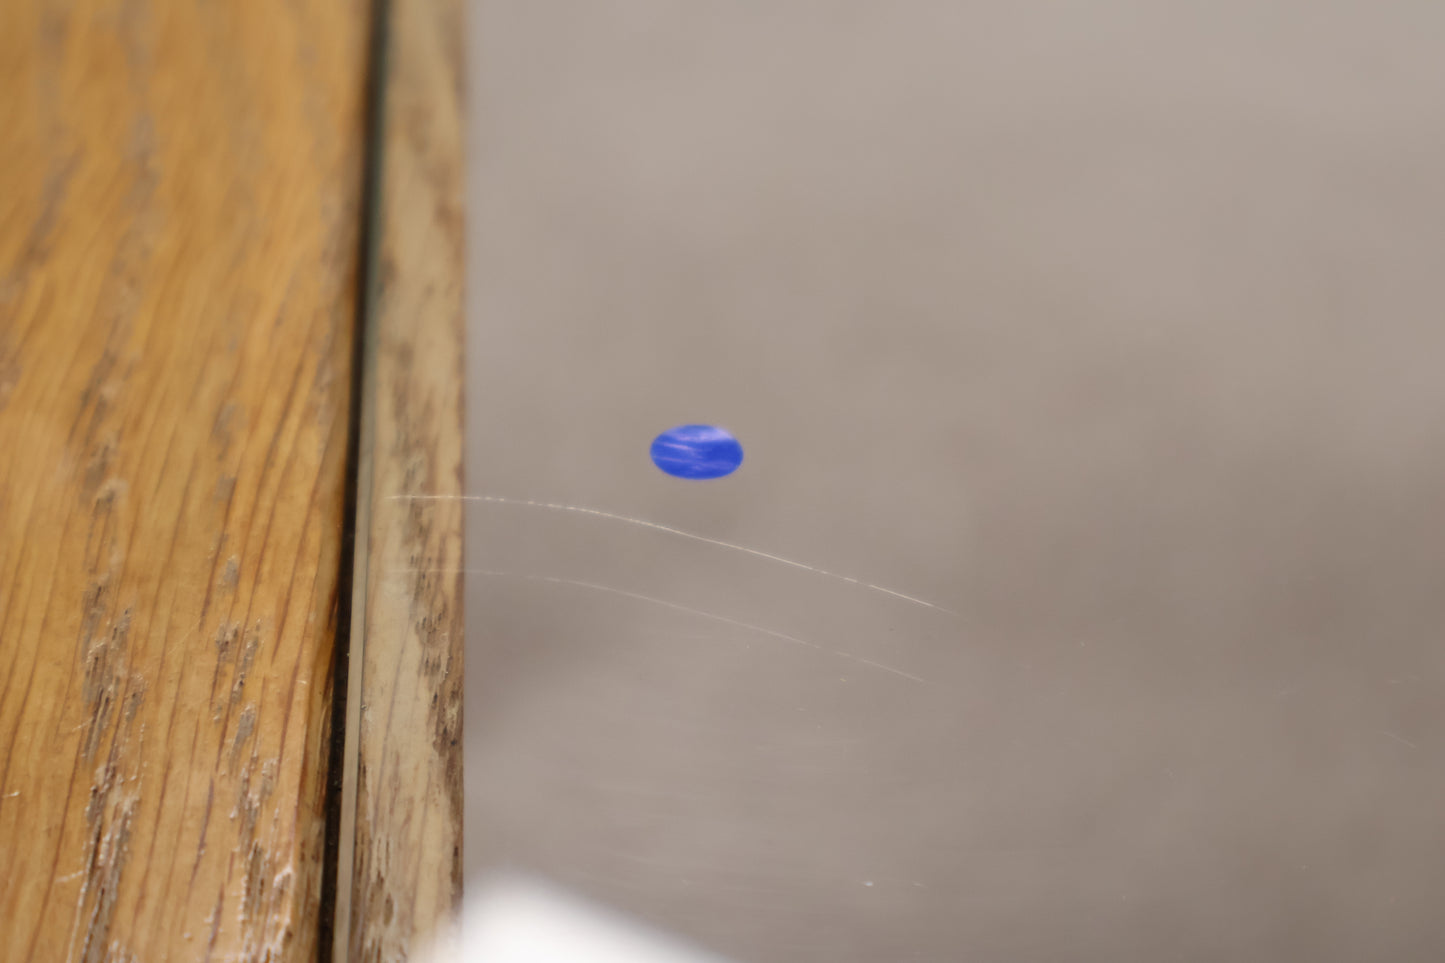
<point>1113,327</point>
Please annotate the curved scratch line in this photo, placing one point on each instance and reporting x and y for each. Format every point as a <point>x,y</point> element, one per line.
<point>707,615</point>
<point>553,506</point>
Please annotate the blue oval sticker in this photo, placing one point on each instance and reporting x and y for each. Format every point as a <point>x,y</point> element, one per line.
<point>697,451</point>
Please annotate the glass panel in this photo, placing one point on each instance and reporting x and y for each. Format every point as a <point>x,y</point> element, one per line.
<point>1079,595</point>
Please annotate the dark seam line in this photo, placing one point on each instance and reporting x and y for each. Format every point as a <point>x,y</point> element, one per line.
<point>352,512</point>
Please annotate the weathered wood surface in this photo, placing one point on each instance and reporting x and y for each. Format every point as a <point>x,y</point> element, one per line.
<point>408,787</point>
<point>178,237</point>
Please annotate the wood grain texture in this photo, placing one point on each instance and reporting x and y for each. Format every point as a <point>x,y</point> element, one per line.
<point>408,787</point>
<point>178,234</point>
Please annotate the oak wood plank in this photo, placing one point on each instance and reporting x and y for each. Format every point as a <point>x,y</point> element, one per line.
<point>407,840</point>
<point>178,235</point>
